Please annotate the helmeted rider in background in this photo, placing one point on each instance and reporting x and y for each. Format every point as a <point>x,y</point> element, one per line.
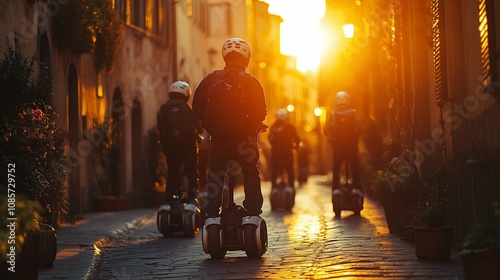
<point>233,143</point>
<point>179,130</point>
<point>283,138</point>
<point>343,129</point>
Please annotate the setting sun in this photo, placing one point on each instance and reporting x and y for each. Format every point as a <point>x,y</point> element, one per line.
<point>300,30</point>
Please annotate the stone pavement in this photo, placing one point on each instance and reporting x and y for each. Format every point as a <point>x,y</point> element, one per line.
<point>78,254</point>
<point>336,254</point>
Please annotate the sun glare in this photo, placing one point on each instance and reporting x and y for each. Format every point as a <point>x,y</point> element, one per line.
<point>300,30</point>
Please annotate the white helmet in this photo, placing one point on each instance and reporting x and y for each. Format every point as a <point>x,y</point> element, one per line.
<point>342,98</point>
<point>237,45</point>
<point>281,114</point>
<point>181,87</point>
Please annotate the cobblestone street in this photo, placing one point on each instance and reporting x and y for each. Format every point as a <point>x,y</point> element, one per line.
<point>305,243</point>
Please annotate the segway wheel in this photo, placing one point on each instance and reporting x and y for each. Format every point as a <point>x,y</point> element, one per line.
<point>289,198</point>
<point>214,242</point>
<point>191,223</point>
<point>255,238</point>
<point>337,204</point>
<point>162,222</point>
<point>357,203</point>
<point>274,198</point>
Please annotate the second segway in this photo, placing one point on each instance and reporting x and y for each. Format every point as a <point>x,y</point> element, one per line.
<point>282,196</point>
<point>347,197</point>
<point>234,230</point>
<point>178,216</point>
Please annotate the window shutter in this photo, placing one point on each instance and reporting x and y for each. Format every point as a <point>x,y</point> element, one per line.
<point>439,52</point>
<point>485,50</point>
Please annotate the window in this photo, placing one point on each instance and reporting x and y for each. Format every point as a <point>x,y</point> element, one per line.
<point>155,18</point>
<point>149,16</point>
<point>120,7</point>
<point>219,20</point>
<point>135,11</point>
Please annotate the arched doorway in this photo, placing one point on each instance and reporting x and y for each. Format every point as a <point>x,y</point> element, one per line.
<point>73,140</point>
<point>118,117</point>
<point>137,153</point>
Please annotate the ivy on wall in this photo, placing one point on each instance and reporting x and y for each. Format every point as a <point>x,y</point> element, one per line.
<point>90,26</point>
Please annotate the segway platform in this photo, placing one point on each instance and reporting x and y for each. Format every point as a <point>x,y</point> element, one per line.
<point>177,217</point>
<point>282,197</point>
<point>347,198</point>
<point>234,230</point>
<point>231,232</point>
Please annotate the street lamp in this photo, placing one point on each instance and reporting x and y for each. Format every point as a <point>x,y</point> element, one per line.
<point>348,30</point>
<point>318,112</point>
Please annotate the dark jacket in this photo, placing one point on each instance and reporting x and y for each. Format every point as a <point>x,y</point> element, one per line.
<point>343,128</point>
<point>283,136</point>
<point>254,96</point>
<point>191,126</point>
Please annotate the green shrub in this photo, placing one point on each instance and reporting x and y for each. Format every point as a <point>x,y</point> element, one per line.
<point>30,138</point>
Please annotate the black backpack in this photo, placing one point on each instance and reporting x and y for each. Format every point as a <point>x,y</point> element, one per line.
<point>178,126</point>
<point>344,128</point>
<point>280,136</point>
<point>225,110</point>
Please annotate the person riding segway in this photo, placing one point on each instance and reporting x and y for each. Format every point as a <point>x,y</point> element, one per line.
<point>231,106</point>
<point>343,130</point>
<point>178,129</point>
<point>283,138</point>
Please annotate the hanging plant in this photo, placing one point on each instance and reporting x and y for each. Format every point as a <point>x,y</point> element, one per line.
<point>73,27</point>
<point>108,36</point>
<point>90,27</point>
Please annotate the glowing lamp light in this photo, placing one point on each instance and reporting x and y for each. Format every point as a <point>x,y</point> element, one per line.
<point>100,91</point>
<point>348,30</point>
<point>290,108</point>
<point>318,111</point>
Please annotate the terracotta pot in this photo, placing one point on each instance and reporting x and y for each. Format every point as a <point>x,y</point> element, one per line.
<point>47,247</point>
<point>26,261</point>
<point>433,243</point>
<point>409,234</point>
<point>397,217</point>
<point>481,264</point>
<point>398,209</point>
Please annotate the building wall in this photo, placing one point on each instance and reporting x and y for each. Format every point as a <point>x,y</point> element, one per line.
<point>454,115</point>
<point>437,73</point>
<point>142,75</point>
<point>187,47</point>
<point>193,57</point>
<point>82,96</point>
<point>475,114</point>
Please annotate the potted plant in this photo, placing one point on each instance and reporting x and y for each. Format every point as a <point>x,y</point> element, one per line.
<point>32,144</point>
<point>396,187</point>
<point>432,236</point>
<point>481,248</point>
<point>19,235</point>
<point>105,168</point>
